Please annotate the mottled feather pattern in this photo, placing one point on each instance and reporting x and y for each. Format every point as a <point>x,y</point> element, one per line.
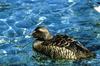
<point>55,52</point>
<point>57,40</point>
<point>60,40</point>
<point>59,46</point>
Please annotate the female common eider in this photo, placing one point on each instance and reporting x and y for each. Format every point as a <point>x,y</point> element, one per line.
<point>59,46</point>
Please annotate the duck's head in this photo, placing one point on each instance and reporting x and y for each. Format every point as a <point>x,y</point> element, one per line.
<point>41,33</point>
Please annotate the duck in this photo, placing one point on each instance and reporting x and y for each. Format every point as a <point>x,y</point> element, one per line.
<point>59,46</point>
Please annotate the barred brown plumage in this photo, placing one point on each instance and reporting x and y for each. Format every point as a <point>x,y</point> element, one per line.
<point>59,46</point>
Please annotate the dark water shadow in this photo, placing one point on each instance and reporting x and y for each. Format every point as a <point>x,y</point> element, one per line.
<point>94,47</point>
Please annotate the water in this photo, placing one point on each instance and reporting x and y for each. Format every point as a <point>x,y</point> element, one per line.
<point>18,18</point>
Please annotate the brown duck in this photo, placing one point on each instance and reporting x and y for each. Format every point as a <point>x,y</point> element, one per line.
<point>59,46</point>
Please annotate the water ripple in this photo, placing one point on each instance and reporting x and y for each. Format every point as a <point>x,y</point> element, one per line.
<point>18,18</point>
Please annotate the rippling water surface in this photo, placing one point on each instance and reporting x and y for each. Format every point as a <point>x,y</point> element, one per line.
<point>18,18</point>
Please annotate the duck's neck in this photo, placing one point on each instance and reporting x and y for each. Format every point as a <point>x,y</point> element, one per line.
<point>48,36</point>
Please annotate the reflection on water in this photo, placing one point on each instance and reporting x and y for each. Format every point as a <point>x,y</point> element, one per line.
<point>18,18</point>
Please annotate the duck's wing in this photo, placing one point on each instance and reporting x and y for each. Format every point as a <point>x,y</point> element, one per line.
<point>65,41</point>
<point>58,40</point>
<point>78,46</point>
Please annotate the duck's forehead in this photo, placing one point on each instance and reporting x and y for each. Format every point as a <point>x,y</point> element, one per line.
<point>39,28</point>
<point>43,29</point>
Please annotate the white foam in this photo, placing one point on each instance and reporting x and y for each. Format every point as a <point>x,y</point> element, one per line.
<point>97,9</point>
<point>3,52</point>
<point>42,18</point>
<point>2,41</point>
<point>98,35</point>
<point>70,0</point>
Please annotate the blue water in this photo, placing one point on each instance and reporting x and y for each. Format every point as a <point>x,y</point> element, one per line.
<point>18,18</point>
